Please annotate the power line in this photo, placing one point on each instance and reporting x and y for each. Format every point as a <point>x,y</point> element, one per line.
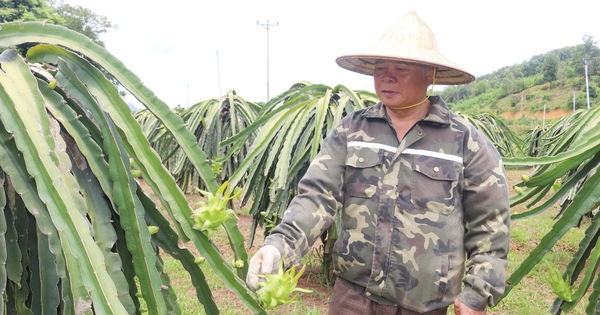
<point>267,25</point>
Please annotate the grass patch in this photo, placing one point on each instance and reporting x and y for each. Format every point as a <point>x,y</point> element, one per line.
<point>533,295</point>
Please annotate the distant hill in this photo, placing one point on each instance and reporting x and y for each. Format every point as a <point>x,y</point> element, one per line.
<point>551,78</point>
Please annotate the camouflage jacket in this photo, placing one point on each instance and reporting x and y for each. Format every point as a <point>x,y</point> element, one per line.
<point>412,213</point>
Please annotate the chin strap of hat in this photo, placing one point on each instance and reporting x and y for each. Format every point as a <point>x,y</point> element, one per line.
<point>426,97</point>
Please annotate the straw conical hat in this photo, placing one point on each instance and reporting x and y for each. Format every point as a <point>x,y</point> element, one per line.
<point>409,40</point>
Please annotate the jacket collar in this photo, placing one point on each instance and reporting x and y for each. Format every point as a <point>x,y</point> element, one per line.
<point>439,112</point>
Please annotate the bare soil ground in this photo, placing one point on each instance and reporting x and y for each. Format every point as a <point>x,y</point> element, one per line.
<point>555,113</point>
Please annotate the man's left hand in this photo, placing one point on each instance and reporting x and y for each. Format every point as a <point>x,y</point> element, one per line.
<point>461,309</point>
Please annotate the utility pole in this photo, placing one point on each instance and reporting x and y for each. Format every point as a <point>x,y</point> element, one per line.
<point>587,85</point>
<point>544,119</point>
<point>521,104</point>
<point>219,73</point>
<point>267,25</point>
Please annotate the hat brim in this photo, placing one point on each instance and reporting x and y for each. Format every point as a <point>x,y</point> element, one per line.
<point>447,72</point>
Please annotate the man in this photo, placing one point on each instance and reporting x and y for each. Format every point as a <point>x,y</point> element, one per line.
<point>419,192</point>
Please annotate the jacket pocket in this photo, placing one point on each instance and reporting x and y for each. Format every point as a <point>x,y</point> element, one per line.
<point>363,171</point>
<point>435,184</point>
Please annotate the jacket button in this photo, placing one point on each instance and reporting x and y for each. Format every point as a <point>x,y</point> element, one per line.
<point>361,160</point>
<point>368,293</point>
<point>436,169</point>
<point>420,133</point>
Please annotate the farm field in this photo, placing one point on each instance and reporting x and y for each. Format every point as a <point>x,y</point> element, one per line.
<point>532,296</point>
<point>78,235</point>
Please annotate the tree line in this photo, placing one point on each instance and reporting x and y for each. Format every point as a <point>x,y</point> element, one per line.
<point>557,68</point>
<point>77,18</point>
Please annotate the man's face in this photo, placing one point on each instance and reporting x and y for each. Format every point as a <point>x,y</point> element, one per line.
<point>400,84</point>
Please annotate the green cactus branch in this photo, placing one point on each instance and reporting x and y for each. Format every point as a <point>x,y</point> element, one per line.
<point>105,134</point>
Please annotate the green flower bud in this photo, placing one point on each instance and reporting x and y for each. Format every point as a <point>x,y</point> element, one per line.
<point>153,229</point>
<point>556,185</point>
<point>136,173</point>
<point>52,84</point>
<point>239,263</point>
<point>518,190</point>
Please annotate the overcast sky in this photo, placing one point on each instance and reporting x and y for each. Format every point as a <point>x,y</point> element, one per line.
<point>188,51</point>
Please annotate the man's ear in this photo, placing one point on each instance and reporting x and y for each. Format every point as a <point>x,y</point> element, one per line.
<point>430,73</point>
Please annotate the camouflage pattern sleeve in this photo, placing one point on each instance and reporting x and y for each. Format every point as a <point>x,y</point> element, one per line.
<point>487,224</point>
<point>319,197</point>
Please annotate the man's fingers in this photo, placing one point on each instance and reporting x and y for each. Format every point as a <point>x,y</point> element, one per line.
<point>264,262</point>
<point>267,263</point>
<point>253,271</point>
<point>252,281</point>
<point>271,258</point>
<point>255,264</point>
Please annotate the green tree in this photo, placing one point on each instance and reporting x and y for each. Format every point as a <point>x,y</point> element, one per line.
<point>508,85</point>
<point>561,75</point>
<point>480,87</point>
<point>28,10</point>
<point>592,53</point>
<point>550,68</point>
<point>588,51</point>
<point>84,21</point>
<point>77,18</point>
<point>533,66</point>
<point>593,92</point>
<point>454,94</point>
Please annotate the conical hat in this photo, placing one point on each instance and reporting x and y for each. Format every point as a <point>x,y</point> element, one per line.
<point>409,40</point>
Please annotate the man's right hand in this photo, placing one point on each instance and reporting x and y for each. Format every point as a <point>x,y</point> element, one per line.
<point>461,308</point>
<point>265,261</point>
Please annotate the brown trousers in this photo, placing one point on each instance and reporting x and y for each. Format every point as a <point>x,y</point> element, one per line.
<point>345,301</point>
